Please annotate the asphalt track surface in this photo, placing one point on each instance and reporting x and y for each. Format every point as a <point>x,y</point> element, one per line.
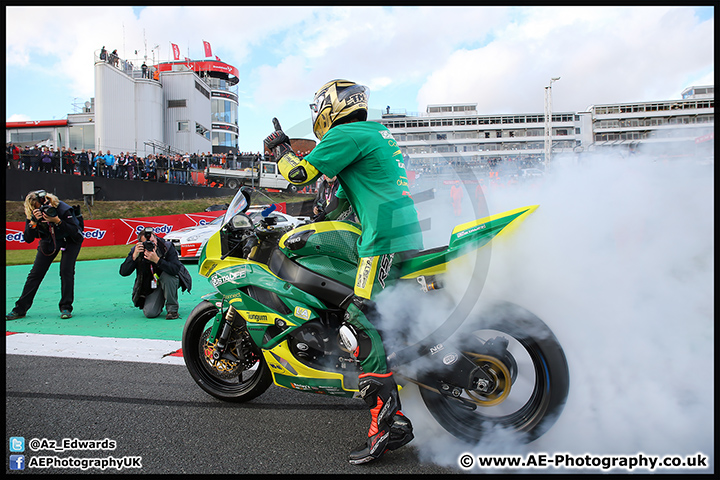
<point>123,380</point>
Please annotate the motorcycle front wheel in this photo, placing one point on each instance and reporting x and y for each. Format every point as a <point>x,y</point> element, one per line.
<point>531,373</point>
<point>241,375</point>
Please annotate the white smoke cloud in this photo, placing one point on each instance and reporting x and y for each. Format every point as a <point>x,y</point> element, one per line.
<point>618,261</point>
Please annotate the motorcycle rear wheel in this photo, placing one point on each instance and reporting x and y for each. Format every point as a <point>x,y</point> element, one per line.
<point>224,379</point>
<point>537,379</point>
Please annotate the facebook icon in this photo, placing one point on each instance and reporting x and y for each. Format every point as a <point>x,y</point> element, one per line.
<point>17,462</point>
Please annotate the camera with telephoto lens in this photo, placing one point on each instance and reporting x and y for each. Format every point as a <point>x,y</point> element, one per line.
<point>49,210</point>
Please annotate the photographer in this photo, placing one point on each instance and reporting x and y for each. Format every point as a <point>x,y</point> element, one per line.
<point>159,275</point>
<point>55,224</point>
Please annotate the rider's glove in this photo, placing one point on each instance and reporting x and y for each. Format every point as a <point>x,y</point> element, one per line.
<point>277,142</point>
<point>295,170</point>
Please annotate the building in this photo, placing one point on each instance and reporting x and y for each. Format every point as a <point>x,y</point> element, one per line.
<point>457,134</point>
<point>171,107</point>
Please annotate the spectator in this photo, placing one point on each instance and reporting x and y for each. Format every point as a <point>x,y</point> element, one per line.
<point>120,162</point>
<point>84,163</point>
<point>230,160</point>
<point>46,159</point>
<point>114,58</point>
<point>100,164</point>
<point>144,69</point>
<point>110,165</point>
<point>150,168</point>
<point>103,54</point>
<point>15,160</point>
<point>131,166</point>
<point>56,159</point>
<point>184,170</point>
<point>456,194</point>
<point>68,161</point>
<point>161,167</point>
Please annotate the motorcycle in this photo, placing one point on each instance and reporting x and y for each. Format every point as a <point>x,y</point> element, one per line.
<point>275,317</point>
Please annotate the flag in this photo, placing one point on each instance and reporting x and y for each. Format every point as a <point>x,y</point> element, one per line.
<point>208,50</point>
<point>176,51</point>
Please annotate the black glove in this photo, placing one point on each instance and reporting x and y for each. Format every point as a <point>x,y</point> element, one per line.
<point>277,142</point>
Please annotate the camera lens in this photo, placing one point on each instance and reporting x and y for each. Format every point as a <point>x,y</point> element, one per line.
<point>49,210</point>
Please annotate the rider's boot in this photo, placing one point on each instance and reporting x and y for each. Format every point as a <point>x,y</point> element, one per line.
<point>401,431</point>
<point>381,394</point>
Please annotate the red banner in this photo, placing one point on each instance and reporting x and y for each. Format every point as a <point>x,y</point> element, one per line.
<point>122,231</point>
<point>176,51</point>
<point>208,50</point>
<point>204,66</point>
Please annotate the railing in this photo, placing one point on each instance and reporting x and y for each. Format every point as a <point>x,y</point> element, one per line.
<point>130,67</point>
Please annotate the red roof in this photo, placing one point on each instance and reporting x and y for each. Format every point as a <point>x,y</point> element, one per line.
<point>37,123</point>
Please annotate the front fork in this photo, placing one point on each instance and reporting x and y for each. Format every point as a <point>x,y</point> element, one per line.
<point>224,324</point>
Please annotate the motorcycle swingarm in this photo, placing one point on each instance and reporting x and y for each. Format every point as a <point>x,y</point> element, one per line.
<point>451,372</point>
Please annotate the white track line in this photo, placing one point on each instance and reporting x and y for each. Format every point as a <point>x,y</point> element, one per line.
<point>96,348</point>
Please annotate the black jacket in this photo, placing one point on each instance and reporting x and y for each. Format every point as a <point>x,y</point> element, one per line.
<point>169,263</point>
<point>55,236</point>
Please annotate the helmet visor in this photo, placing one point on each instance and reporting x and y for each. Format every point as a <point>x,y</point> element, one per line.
<point>317,106</point>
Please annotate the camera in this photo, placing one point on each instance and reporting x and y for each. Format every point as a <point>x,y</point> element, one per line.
<point>149,246</point>
<point>49,210</point>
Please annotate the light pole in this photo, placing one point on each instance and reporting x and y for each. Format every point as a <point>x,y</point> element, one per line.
<point>548,121</point>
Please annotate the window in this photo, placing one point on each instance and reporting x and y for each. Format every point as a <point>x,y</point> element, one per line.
<point>202,131</point>
<point>35,137</point>
<point>269,168</point>
<point>177,103</point>
<point>202,89</point>
<point>224,139</point>
<point>182,126</point>
<point>82,136</point>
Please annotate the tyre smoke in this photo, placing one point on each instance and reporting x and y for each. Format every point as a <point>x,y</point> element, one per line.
<point>618,261</point>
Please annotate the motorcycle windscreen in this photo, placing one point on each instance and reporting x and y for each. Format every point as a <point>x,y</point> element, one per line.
<point>240,203</point>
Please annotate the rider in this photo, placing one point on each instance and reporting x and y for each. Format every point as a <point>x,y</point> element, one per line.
<point>369,166</point>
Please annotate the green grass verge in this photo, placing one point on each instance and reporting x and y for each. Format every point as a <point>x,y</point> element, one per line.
<point>27,257</point>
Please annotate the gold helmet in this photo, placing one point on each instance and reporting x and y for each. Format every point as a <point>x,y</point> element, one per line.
<point>335,101</point>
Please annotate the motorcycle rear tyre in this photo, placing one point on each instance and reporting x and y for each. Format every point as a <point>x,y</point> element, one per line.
<point>551,385</point>
<point>195,326</point>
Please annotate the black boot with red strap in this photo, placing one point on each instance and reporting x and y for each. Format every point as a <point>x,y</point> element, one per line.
<point>389,428</point>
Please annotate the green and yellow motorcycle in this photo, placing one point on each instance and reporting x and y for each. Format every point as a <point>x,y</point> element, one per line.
<point>275,317</point>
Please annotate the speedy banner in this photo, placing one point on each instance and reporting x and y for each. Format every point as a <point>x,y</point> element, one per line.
<point>121,231</point>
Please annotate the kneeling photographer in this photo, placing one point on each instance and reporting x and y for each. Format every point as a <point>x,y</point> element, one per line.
<point>55,224</point>
<point>159,275</point>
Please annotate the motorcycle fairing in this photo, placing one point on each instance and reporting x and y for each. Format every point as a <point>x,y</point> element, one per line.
<point>465,237</point>
<point>288,372</point>
<point>333,239</point>
<point>247,272</point>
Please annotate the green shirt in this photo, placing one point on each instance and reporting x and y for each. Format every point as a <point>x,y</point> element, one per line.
<point>369,165</point>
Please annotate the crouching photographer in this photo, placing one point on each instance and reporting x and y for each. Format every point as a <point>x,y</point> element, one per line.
<point>55,224</point>
<point>159,275</point>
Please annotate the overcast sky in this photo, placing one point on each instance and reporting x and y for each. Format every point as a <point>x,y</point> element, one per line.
<point>497,57</point>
